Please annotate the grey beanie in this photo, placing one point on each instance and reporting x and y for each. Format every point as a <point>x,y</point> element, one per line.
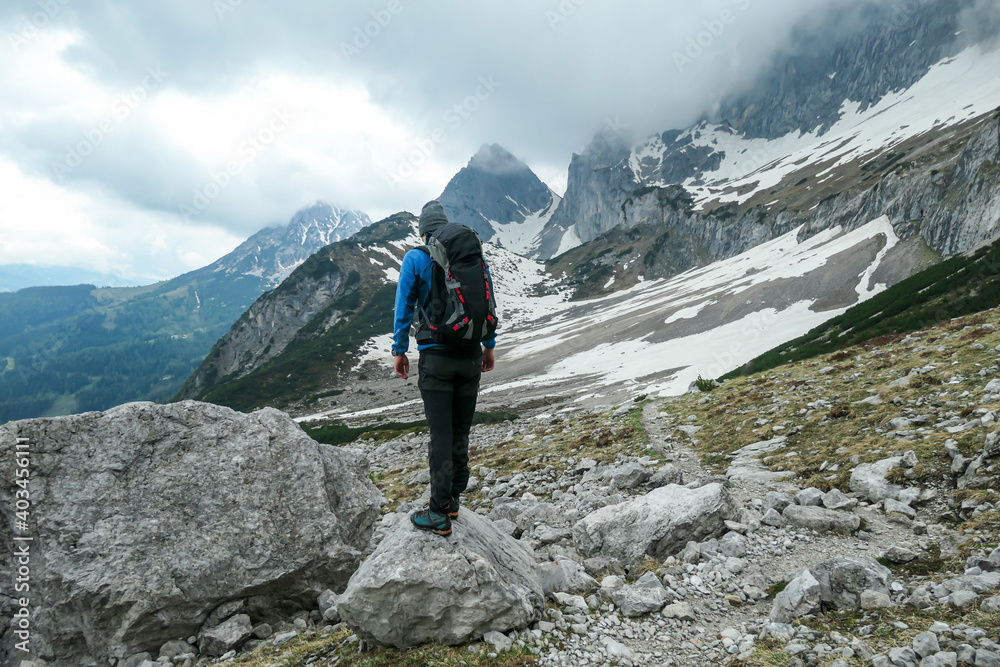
<point>432,217</point>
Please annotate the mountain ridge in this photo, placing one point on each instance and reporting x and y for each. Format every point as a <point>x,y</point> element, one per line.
<point>82,348</point>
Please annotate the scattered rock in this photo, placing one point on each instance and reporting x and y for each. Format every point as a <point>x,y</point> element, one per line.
<point>821,519</point>
<point>657,524</point>
<point>835,499</point>
<point>222,638</point>
<point>645,596</point>
<point>565,576</point>
<point>843,580</point>
<point>800,597</point>
<point>680,610</point>
<point>498,640</point>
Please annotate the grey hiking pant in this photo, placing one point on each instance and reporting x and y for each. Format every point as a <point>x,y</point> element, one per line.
<point>449,387</point>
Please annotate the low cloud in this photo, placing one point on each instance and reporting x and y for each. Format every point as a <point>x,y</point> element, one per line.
<point>371,84</point>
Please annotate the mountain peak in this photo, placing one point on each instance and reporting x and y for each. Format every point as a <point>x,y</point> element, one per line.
<point>493,190</point>
<point>496,160</point>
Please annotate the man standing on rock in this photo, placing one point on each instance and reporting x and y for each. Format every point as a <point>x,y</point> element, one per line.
<point>447,282</point>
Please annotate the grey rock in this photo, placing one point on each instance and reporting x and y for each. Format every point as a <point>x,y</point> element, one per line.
<point>682,611</point>
<point>903,657</point>
<point>667,474</point>
<point>777,501</point>
<point>645,596</point>
<point>870,600</point>
<point>691,553</point>
<point>992,447</point>
<point>657,524</point>
<point>821,519</point>
<point>224,611</point>
<point>133,660</point>
<point>328,606</point>
<point>262,631</point>
<point>925,644</point>
<point>599,567</point>
<point>843,580</point>
<point>782,632</point>
<point>944,659</point>
<point>630,476</point>
<point>896,507</point>
<point>565,576</point>
<point>951,542</point>
<point>899,423</point>
<point>498,640</point>
<point>618,651</point>
<point>869,479</point>
<point>420,587</point>
<point>986,658</point>
<point>284,637</point>
<point>810,497</point>
<point>909,459</point>
<point>773,518</point>
<point>800,597</point>
<point>962,599</point>
<point>733,544</point>
<point>174,648</point>
<point>990,605</point>
<point>899,555</point>
<point>142,499</point>
<point>966,653</point>
<point>228,636</point>
<point>835,499</point>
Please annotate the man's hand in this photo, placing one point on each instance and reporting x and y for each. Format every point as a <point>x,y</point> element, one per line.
<point>489,360</point>
<point>402,366</point>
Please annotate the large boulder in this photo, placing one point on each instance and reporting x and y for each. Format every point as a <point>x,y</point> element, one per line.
<point>146,518</point>
<point>843,580</point>
<point>418,587</point>
<point>832,584</point>
<point>658,524</point>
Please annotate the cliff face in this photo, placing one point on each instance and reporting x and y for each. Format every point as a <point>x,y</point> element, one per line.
<point>839,133</point>
<point>944,191</point>
<point>599,181</point>
<point>896,119</point>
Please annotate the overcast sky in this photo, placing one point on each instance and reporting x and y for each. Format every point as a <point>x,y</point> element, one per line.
<point>151,138</point>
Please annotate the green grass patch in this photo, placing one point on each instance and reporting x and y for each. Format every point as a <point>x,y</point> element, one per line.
<point>339,649</point>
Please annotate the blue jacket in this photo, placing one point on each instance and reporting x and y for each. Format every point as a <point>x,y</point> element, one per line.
<point>415,283</point>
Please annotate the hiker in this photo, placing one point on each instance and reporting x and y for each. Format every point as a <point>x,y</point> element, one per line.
<point>452,355</point>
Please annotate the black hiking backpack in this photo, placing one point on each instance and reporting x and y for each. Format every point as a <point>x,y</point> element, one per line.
<point>463,310</point>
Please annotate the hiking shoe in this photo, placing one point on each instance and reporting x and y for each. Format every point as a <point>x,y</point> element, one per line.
<point>428,519</point>
<point>450,509</point>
